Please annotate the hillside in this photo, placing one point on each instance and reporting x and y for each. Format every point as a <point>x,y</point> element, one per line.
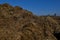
<point>17,23</point>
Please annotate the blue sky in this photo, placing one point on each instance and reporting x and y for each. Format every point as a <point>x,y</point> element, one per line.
<point>38,7</point>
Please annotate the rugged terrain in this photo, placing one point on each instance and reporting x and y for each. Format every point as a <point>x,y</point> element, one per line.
<point>17,23</point>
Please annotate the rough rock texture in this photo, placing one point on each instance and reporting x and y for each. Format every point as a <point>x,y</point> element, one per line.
<point>19,24</point>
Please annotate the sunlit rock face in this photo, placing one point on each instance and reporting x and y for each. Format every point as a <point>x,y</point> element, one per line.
<point>19,24</point>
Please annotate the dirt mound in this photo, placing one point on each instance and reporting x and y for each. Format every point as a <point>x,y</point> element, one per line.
<point>19,24</point>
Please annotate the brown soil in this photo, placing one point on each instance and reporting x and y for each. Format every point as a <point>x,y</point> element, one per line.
<point>19,24</point>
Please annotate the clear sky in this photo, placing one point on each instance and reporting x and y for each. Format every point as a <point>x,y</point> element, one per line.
<point>38,7</point>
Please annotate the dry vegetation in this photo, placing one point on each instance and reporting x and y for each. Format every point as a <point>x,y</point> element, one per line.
<point>19,24</point>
